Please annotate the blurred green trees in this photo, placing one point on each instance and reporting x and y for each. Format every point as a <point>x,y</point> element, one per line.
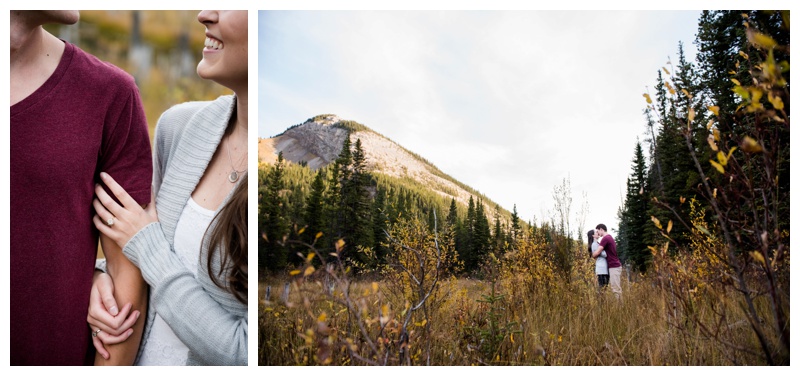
<point>160,49</point>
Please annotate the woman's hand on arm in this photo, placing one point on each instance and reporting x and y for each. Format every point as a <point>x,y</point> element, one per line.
<point>597,252</point>
<point>120,222</point>
<point>114,324</point>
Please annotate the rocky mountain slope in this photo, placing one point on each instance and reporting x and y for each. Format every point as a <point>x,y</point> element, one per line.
<point>319,140</point>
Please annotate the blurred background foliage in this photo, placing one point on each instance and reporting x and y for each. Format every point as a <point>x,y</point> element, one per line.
<point>160,49</point>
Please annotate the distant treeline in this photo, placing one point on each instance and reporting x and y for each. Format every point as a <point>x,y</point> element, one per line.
<point>345,201</point>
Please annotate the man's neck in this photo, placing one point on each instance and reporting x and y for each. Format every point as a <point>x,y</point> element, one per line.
<point>26,42</point>
<point>35,55</point>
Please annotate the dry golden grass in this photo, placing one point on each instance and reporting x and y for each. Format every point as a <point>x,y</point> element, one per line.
<point>575,325</point>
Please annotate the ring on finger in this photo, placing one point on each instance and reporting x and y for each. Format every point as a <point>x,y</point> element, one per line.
<point>95,333</point>
<point>110,221</point>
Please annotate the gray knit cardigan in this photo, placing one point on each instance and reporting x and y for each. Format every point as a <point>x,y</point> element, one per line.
<point>208,319</point>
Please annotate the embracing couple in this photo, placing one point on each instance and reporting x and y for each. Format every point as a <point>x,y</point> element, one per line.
<point>603,249</point>
<point>172,289</point>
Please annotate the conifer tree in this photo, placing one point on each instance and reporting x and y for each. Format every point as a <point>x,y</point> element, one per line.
<point>362,230</point>
<point>468,250</point>
<point>635,218</point>
<point>515,231</point>
<point>452,214</point>
<point>356,226</point>
<point>314,210</point>
<point>380,222</point>
<point>344,163</point>
<point>331,208</point>
<point>498,237</point>
<point>720,37</point>
<point>482,235</point>
<point>274,226</point>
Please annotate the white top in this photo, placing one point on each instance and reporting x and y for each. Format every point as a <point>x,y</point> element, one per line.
<point>164,348</point>
<point>600,263</point>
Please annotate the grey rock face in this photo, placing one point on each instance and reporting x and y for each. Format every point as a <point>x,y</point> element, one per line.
<point>316,143</point>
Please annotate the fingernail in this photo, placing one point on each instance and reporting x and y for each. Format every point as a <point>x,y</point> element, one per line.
<point>137,315</point>
<point>114,311</point>
<point>103,175</point>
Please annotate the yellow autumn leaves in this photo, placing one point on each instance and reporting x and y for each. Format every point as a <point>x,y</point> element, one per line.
<point>658,224</point>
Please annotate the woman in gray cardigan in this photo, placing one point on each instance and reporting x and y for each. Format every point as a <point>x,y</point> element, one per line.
<point>600,265</point>
<point>190,243</point>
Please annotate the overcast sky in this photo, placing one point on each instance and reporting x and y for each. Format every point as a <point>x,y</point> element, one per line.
<point>510,103</point>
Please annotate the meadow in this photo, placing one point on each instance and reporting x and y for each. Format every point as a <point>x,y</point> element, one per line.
<point>522,311</point>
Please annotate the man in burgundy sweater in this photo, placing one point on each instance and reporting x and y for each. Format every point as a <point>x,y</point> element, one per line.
<point>608,244</point>
<point>72,117</point>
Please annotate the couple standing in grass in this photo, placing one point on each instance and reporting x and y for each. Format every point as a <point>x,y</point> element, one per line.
<point>603,249</point>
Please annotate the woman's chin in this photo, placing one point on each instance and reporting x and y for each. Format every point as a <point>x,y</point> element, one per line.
<point>203,70</point>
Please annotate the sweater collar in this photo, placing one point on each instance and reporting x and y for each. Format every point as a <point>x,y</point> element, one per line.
<point>199,140</point>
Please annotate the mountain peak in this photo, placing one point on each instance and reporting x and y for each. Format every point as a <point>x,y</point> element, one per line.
<point>319,140</point>
<point>324,119</point>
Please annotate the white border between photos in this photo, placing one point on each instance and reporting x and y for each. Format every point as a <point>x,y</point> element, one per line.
<point>253,7</point>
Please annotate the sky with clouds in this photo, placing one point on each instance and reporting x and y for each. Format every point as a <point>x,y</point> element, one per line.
<point>508,102</point>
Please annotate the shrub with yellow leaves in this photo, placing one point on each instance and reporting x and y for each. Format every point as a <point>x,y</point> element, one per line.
<point>739,256</point>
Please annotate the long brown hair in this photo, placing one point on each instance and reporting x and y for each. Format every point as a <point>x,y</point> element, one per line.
<point>229,237</point>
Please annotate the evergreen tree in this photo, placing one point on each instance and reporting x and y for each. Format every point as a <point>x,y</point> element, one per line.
<point>655,177</point>
<point>635,219</point>
<point>344,211</point>
<point>356,226</point>
<point>314,210</point>
<point>481,235</point>
<point>678,176</point>
<point>380,223</point>
<point>331,207</point>
<point>498,237</point>
<point>683,133</point>
<point>720,37</point>
<point>622,234</point>
<point>452,214</point>
<point>362,203</point>
<point>515,231</point>
<point>468,250</point>
<point>274,226</point>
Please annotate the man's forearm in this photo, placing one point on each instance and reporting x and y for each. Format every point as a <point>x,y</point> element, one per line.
<point>129,287</point>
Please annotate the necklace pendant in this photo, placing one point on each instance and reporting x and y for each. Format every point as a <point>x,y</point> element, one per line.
<point>233,177</point>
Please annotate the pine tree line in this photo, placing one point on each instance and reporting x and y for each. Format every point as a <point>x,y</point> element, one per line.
<point>344,201</point>
<point>704,95</point>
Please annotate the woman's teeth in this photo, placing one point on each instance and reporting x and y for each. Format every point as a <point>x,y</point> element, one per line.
<point>214,44</point>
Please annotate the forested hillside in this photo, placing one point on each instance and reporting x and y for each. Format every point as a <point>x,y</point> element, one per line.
<point>357,198</point>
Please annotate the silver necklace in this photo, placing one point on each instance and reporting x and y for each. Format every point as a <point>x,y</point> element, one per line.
<point>233,177</point>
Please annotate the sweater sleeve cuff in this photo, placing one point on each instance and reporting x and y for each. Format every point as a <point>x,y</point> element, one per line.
<point>146,248</point>
<point>100,264</point>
